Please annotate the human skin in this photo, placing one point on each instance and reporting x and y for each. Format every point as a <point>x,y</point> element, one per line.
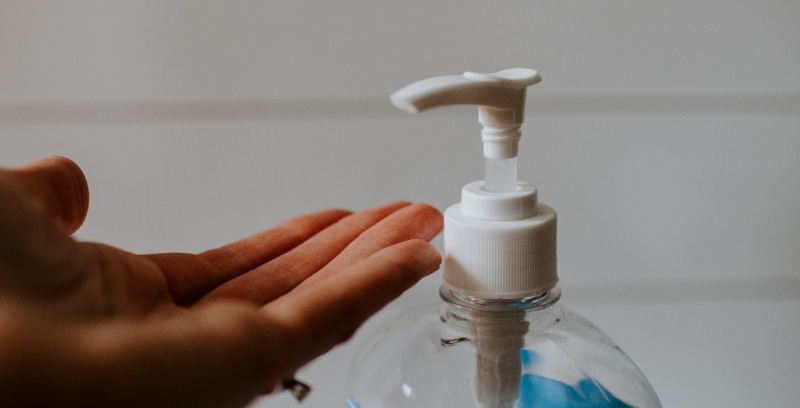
<point>86,324</point>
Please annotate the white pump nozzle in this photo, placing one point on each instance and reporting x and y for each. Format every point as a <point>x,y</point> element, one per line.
<point>499,241</point>
<point>501,98</point>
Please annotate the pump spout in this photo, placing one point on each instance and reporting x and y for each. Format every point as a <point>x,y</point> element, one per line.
<point>503,93</point>
<point>458,90</point>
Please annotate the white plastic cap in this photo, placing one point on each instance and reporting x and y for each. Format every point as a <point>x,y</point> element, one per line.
<point>500,243</point>
<point>510,259</point>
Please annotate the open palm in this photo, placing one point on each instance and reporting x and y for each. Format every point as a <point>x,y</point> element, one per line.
<point>91,325</point>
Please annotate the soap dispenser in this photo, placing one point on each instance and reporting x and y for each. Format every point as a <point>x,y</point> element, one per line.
<point>498,338</point>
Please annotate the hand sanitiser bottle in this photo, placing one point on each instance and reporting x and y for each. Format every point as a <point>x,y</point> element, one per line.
<point>498,338</point>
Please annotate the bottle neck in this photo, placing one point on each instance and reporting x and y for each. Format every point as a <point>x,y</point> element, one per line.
<point>533,303</point>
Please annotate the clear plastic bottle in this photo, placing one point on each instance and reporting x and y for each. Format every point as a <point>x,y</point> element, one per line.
<point>524,353</point>
<point>498,338</point>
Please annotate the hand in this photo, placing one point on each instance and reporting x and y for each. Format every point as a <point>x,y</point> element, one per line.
<point>86,324</point>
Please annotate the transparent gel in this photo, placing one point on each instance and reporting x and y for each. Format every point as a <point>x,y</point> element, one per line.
<point>524,353</point>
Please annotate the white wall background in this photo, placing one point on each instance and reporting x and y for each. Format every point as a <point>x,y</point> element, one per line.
<point>666,135</point>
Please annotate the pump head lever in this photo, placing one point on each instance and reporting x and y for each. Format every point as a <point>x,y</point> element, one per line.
<point>500,95</point>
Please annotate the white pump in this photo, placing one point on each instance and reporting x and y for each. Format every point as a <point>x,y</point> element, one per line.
<point>499,242</point>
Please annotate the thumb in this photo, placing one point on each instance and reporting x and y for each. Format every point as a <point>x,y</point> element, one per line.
<point>40,204</point>
<point>59,185</point>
